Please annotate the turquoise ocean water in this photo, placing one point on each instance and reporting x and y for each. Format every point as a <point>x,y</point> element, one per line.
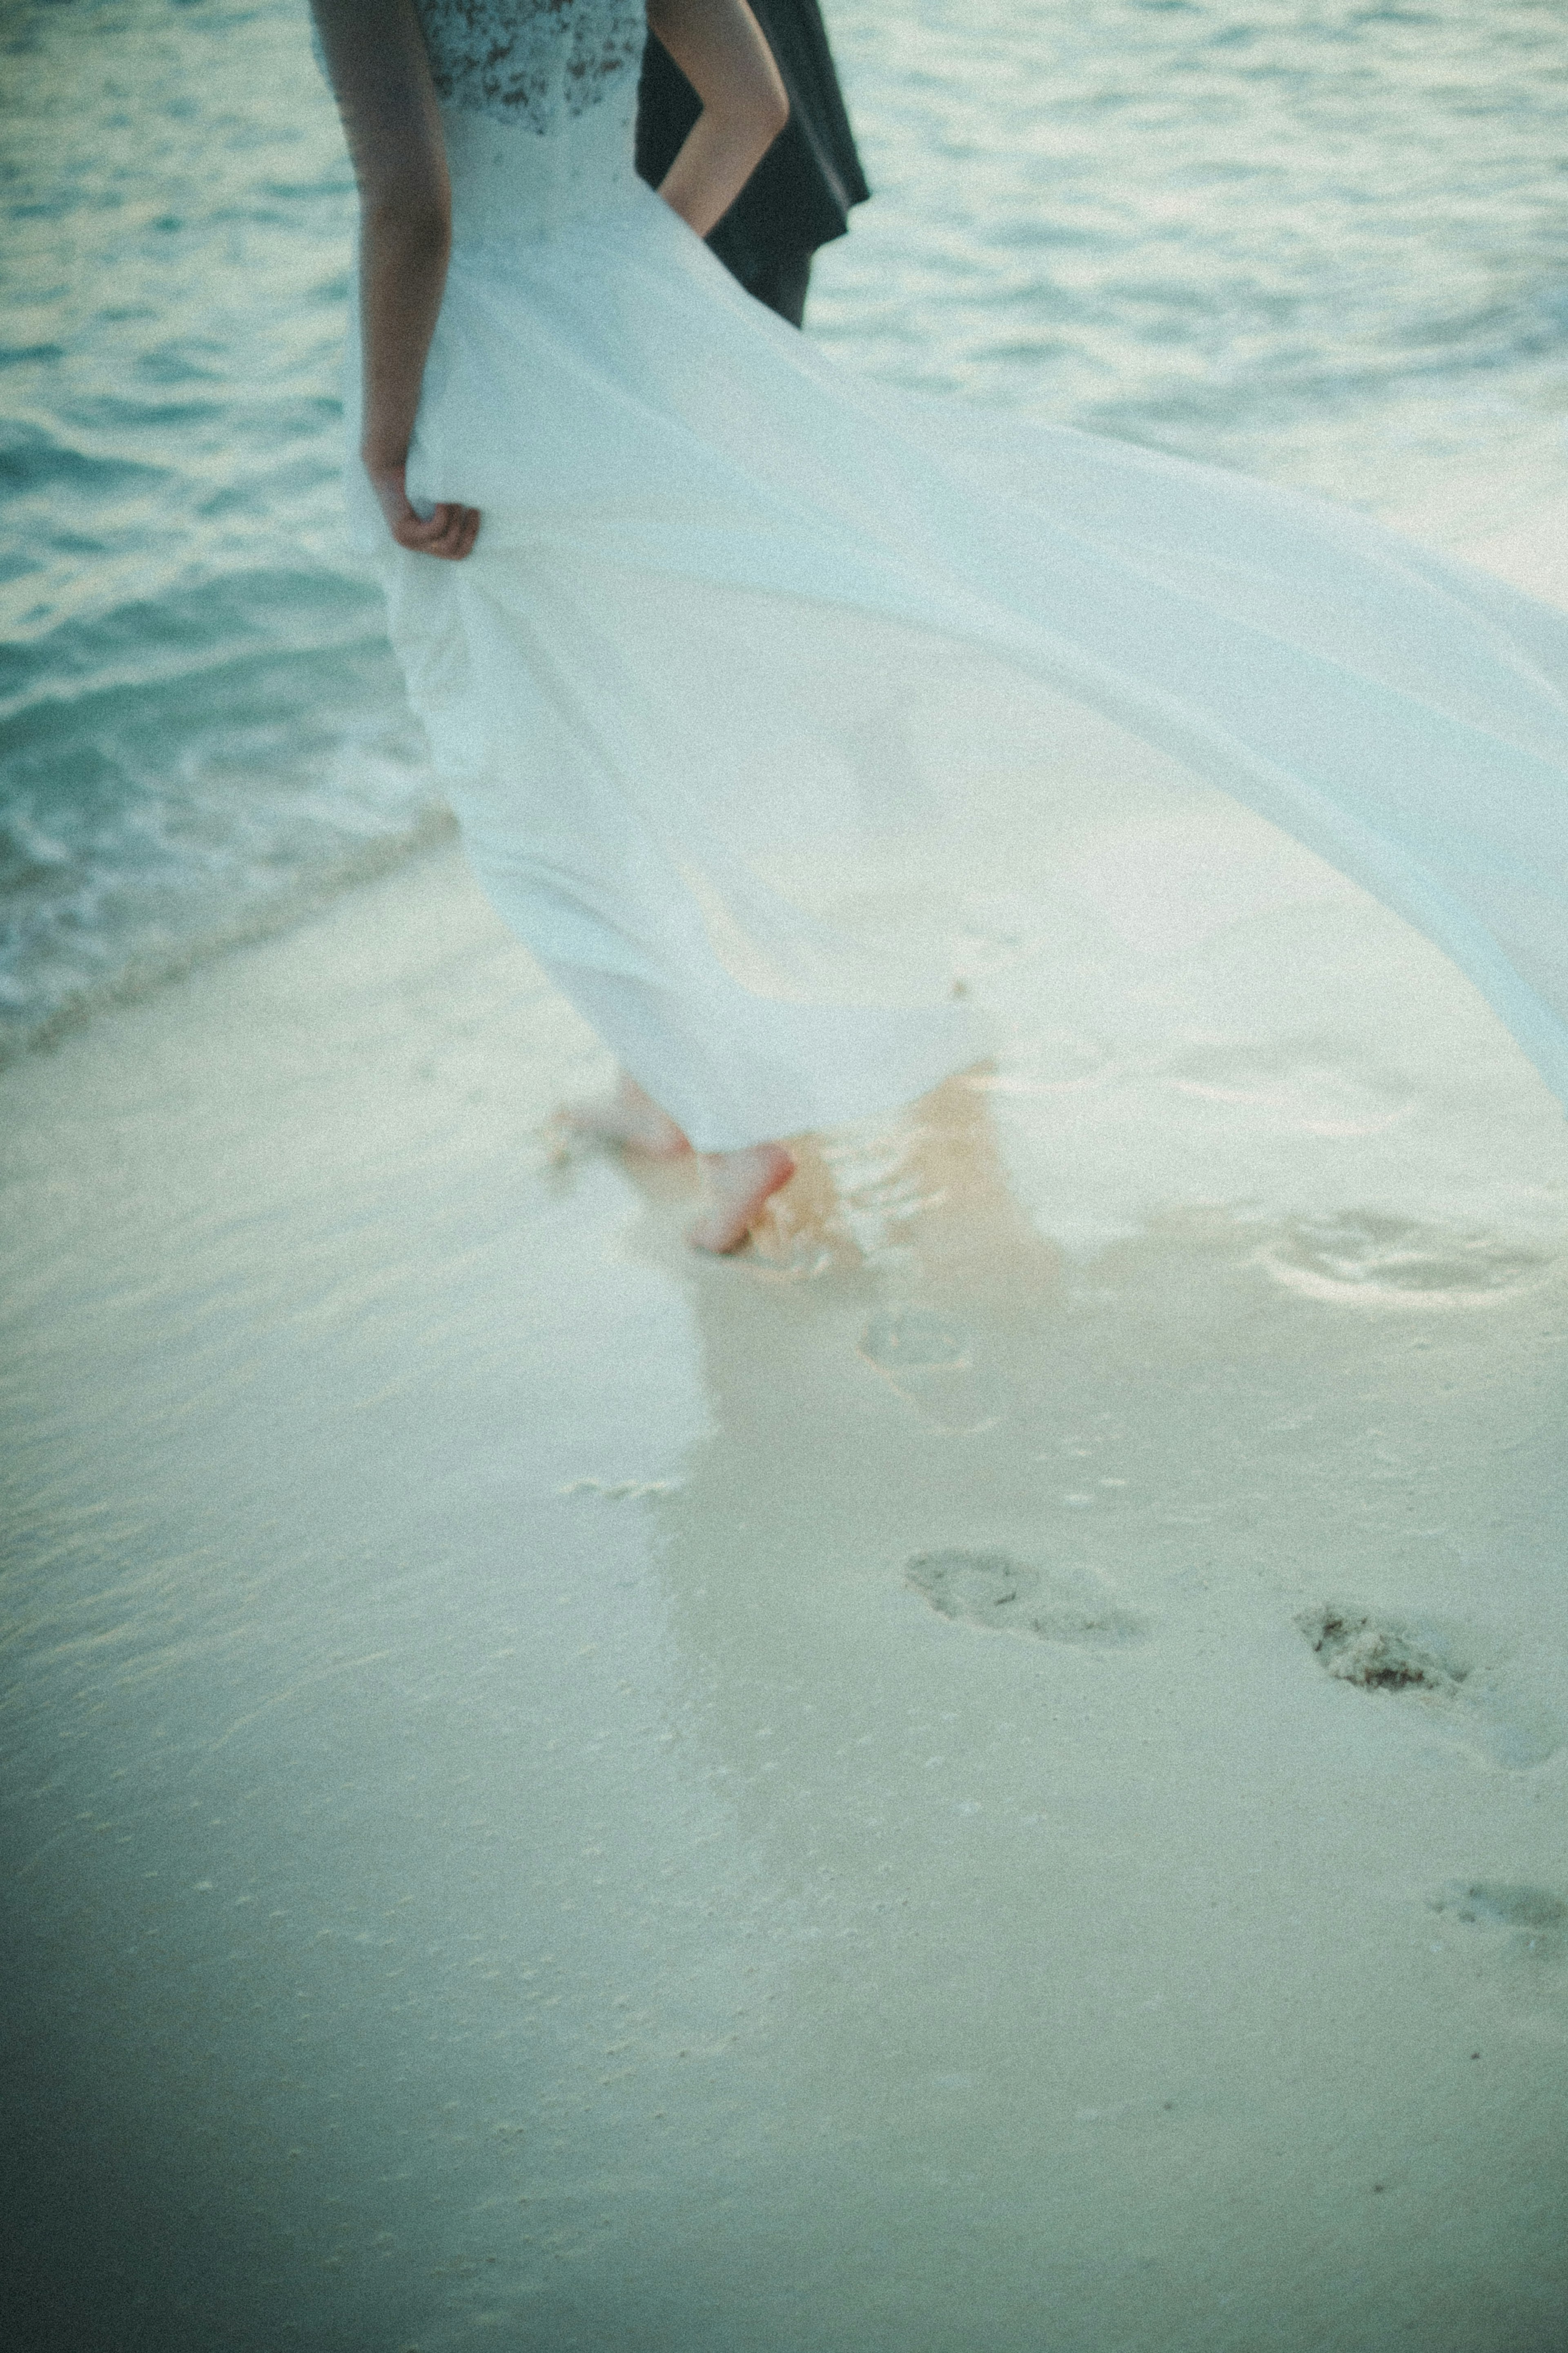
<point>1325,243</point>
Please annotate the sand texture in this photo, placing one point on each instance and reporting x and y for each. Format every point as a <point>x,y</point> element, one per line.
<point>987,1777</point>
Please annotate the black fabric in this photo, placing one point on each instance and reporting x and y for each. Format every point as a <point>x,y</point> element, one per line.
<point>781,282</point>
<point>801,193</point>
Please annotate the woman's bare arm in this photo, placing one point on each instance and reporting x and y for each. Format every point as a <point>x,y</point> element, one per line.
<point>720,49</point>
<point>381,78</point>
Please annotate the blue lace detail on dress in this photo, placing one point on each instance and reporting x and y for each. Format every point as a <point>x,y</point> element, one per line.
<point>532,61</point>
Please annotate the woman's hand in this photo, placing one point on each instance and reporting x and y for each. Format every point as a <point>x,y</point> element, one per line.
<point>449,532</point>
<point>719,47</point>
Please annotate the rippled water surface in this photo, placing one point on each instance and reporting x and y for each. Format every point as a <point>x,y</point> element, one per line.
<point>1325,243</point>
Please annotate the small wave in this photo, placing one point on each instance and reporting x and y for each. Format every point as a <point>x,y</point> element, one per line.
<point>202,629</point>
<point>31,354</point>
<point>148,825</point>
<point>151,967</point>
<point>32,458</point>
<point>127,413</point>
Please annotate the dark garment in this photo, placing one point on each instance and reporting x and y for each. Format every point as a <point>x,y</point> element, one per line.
<point>779,280</point>
<point>800,194</point>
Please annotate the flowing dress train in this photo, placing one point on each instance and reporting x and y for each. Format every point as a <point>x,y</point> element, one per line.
<point>759,674</point>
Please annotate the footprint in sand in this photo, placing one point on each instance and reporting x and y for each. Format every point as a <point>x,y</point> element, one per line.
<point>1440,1669</point>
<point>992,1589</point>
<point>929,1363</point>
<point>911,1339</point>
<point>1365,1255</point>
<point>1384,1654</point>
<point>1535,1917</point>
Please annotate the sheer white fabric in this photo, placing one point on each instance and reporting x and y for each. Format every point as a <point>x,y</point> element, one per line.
<point>761,675</point>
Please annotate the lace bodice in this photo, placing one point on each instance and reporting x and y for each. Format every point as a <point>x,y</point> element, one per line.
<point>533,61</point>
<point>539,103</point>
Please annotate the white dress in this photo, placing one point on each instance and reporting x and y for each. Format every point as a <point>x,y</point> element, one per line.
<point>761,674</point>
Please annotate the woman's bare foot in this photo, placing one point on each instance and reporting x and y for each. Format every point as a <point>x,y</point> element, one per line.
<point>629,1118</point>
<point>738,1184</point>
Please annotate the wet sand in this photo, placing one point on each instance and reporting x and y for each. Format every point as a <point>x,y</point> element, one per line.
<point>989,1775</point>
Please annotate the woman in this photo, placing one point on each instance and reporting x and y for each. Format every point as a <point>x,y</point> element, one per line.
<point>754,668</point>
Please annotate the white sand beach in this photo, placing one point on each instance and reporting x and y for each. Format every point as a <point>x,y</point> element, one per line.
<point>987,1777</point>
